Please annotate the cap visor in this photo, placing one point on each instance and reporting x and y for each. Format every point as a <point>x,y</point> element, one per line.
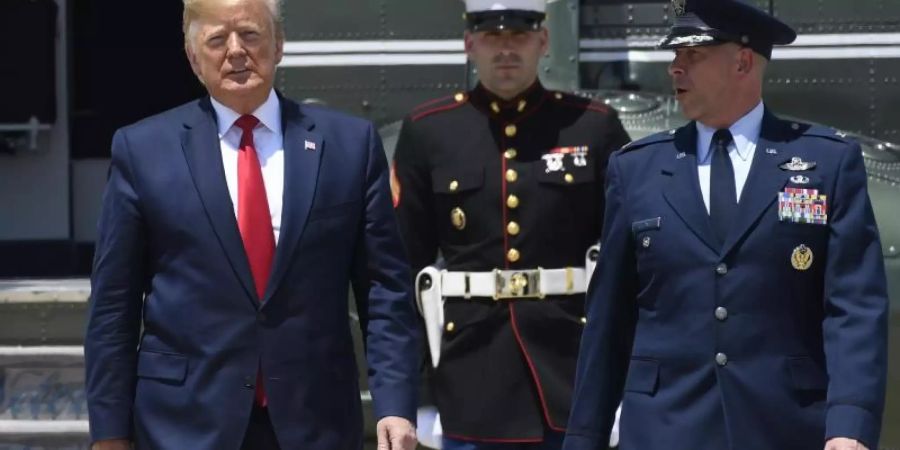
<point>506,23</point>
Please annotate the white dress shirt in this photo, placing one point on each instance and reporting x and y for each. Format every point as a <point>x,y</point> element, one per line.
<point>741,150</point>
<point>268,138</point>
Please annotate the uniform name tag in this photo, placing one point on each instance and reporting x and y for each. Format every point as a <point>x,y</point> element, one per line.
<point>646,224</point>
<point>802,206</point>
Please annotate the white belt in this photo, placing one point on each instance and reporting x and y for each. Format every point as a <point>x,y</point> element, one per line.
<point>514,284</point>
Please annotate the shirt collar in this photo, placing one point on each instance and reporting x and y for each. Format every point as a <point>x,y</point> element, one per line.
<point>269,114</point>
<point>745,132</point>
<point>508,110</point>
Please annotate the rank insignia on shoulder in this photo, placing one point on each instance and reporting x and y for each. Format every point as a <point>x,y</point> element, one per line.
<point>802,206</point>
<point>797,164</point>
<point>802,257</point>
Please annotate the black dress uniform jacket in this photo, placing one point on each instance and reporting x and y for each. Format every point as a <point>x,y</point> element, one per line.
<point>495,184</point>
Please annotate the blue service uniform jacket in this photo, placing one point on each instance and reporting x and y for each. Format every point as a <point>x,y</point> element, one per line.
<point>732,347</point>
<point>170,259</point>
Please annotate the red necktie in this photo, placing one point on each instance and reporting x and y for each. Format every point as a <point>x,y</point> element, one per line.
<point>254,220</point>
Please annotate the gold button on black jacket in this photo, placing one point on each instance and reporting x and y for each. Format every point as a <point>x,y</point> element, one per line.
<point>493,184</point>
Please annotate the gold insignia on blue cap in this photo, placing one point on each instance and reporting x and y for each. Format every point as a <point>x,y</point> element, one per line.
<point>680,7</point>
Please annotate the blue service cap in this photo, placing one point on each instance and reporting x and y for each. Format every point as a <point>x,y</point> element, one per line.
<point>714,22</point>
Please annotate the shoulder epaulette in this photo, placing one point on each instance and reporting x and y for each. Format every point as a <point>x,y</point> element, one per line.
<point>439,105</point>
<point>827,133</point>
<point>665,136</point>
<point>577,101</point>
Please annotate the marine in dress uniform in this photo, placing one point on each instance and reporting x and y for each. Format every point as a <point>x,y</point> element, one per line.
<point>515,184</point>
<point>739,301</point>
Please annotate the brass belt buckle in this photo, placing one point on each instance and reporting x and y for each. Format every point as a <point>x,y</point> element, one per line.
<point>510,284</point>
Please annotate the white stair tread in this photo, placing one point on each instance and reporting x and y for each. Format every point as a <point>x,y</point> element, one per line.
<point>43,427</point>
<point>42,350</point>
<point>45,290</point>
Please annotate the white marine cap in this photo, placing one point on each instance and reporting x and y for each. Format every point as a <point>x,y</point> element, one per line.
<point>484,15</point>
<point>503,5</point>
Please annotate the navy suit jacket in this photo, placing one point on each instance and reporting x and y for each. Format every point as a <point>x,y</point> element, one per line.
<point>732,347</point>
<point>176,331</point>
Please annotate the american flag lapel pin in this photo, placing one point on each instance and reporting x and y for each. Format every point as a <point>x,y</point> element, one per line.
<point>310,145</point>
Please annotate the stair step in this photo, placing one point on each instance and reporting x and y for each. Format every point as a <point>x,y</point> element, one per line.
<point>43,312</point>
<point>42,404</point>
<point>42,384</point>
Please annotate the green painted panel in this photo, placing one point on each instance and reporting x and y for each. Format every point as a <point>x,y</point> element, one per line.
<point>424,19</point>
<point>381,94</point>
<point>334,19</point>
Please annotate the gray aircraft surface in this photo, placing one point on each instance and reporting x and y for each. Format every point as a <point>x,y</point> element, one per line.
<point>85,72</point>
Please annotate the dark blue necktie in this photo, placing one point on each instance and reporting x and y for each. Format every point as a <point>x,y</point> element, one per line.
<point>722,191</point>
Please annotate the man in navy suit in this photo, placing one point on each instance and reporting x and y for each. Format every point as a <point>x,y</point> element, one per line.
<point>231,229</point>
<point>739,301</point>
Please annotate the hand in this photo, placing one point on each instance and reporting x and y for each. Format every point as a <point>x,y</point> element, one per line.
<point>396,433</point>
<point>112,444</point>
<point>844,444</point>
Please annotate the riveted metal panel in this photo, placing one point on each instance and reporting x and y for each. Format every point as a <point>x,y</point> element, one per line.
<point>839,16</point>
<point>626,14</point>
<point>559,69</point>
<point>815,91</point>
<point>333,19</point>
<point>418,19</point>
<point>885,89</point>
<point>861,97</point>
<point>646,77</point>
<point>617,19</point>
<point>380,94</point>
<point>373,19</point>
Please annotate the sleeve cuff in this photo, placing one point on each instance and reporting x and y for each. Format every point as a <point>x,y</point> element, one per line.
<point>582,442</point>
<point>852,422</point>
<point>397,401</point>
<point>109,426</point>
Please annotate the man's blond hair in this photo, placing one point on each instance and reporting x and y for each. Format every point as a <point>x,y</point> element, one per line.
<point>194,9</point>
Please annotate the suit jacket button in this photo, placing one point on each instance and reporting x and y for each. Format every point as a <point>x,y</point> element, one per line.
<point>261,317</point>
<point>722,269</point>
<point>721,359</point>
<point>721,313</point>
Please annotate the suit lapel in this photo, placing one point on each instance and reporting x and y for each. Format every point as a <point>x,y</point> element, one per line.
<point>765,180</point>
<point>303,150</point>
<point>200,143</point>
<point>683,189</point>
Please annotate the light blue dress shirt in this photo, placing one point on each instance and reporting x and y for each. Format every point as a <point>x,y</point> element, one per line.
<point>746,134</point>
